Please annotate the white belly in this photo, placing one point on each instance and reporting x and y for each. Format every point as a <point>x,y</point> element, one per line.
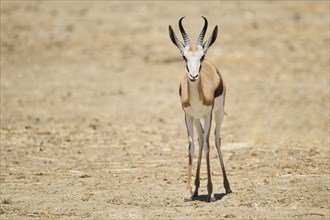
<point>197,110</point>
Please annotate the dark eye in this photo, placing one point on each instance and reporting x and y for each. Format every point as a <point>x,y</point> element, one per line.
<point>202,58</point>
<point>184,58</point>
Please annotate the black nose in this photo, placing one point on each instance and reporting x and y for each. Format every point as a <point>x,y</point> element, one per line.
<point>194,77</point>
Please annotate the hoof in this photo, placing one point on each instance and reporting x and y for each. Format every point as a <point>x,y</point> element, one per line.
<point>195,194</point>
<point>188,196</point>
<point>187,199</point>
<point>228,190</point>
<point>211,198</point>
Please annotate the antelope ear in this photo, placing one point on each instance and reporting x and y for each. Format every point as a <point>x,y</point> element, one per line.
<point>174,39</point>
<point>211,39</point>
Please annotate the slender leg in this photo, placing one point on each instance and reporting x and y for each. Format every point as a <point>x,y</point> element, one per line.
<point>218,120</point>
<point>190,130</point>
<point>199,129</point>
<point>206,146</point>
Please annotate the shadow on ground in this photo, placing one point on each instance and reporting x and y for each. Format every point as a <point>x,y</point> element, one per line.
<point>203,198</point>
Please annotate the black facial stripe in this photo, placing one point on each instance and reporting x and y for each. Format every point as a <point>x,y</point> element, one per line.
<point>187,67</point>
<point>200,67</point>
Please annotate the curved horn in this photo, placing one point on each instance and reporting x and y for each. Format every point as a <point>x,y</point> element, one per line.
<point>184,35</point>
<point>202,34</point>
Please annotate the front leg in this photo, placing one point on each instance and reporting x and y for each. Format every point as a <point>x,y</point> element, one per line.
<point>199,129</point>
<point>190,129</point>
<point>206,146</point>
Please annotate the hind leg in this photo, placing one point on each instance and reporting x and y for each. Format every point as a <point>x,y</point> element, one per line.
<point>218,121</point>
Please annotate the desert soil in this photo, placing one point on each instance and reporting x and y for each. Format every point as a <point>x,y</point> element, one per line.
<point>91,122</point>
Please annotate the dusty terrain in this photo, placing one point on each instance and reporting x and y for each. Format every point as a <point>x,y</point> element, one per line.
<point>92,127</point>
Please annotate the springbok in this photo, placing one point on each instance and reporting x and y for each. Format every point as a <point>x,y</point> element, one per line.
<point>202,91</point>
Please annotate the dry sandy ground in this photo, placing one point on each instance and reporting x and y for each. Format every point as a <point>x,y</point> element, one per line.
<point>92,127</point>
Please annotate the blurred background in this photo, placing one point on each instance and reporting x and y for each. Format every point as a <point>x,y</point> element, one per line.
<point>113,61</point>
<point>93,87</point>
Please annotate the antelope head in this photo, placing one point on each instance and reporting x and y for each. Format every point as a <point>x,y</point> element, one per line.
<point>193,54</point>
